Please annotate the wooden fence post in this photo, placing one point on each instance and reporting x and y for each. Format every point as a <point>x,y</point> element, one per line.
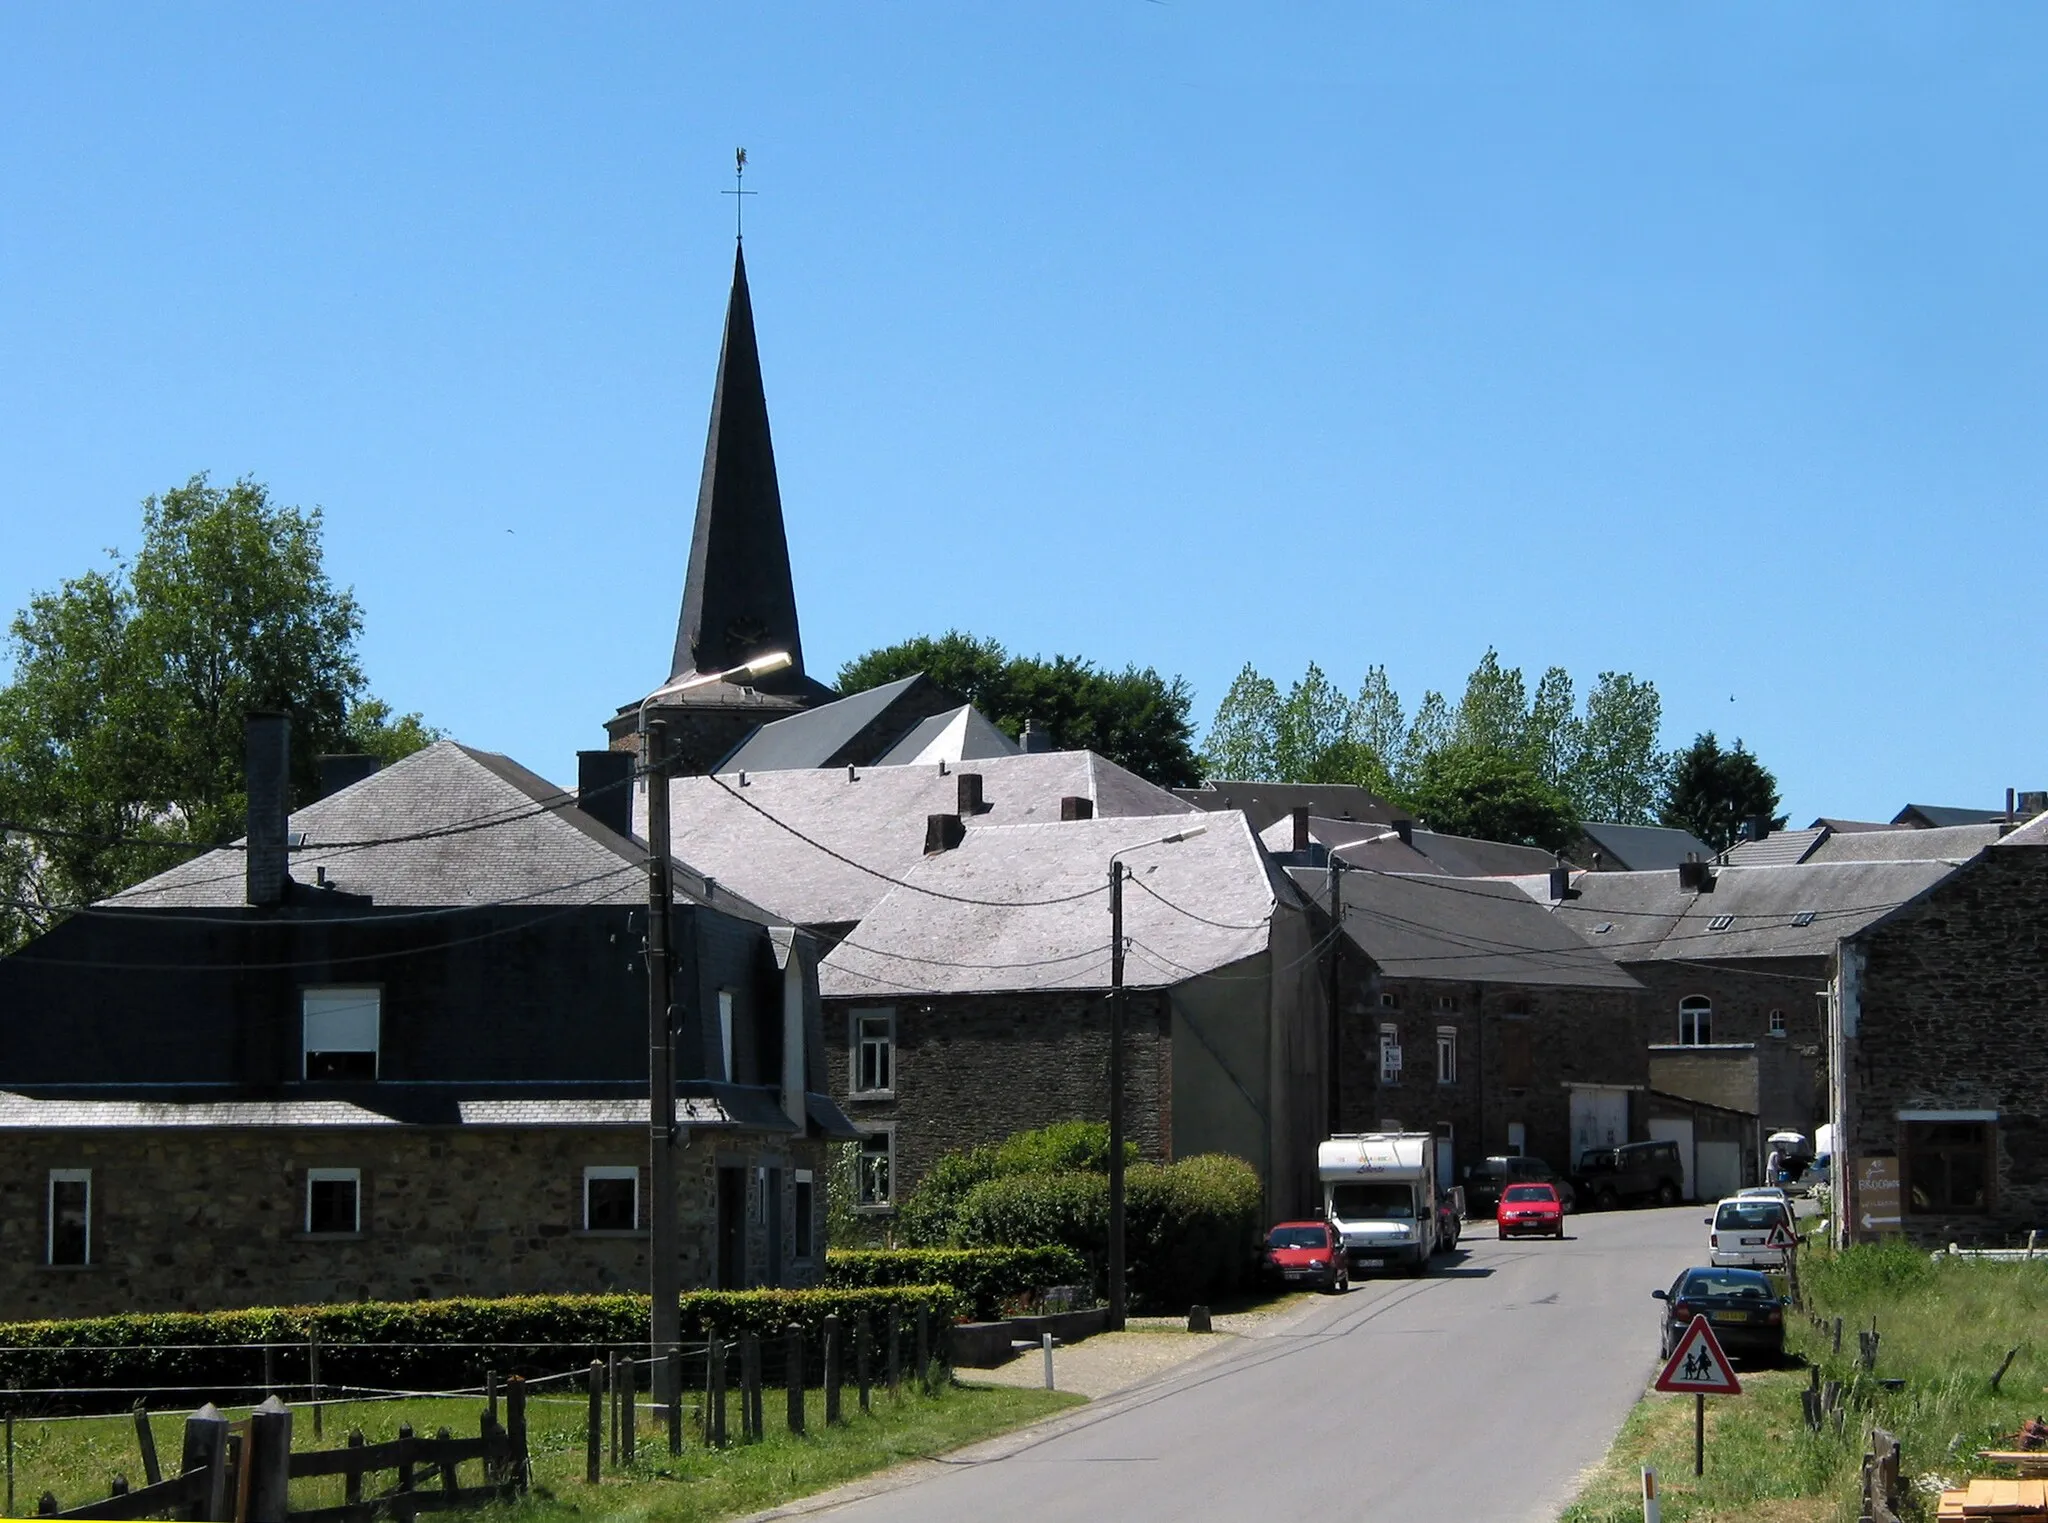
<point>515,1431</point>
<point>269,1458</point>
<point>895,1358</point>
<point>352,1480</point>
<point>831,1370</point>
<point>675,1406</point>
<point>145,1440</point>
<point>629,1409</point>
<point>206,1449</point>
<point>405,1457</point>
<point>750,1387</point>
<point>863,1340</point>
<point>924,1348</point>
<point>714,1393</point>
<point>793,1374</point>
<point>313,1379</point>
<point>593,1439</point>
<point>611,1390</point>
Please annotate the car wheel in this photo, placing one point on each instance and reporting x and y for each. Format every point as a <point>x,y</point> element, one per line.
<point>1560,1232</point>
<point>1607,1200</point>
<point>1667,1194</point>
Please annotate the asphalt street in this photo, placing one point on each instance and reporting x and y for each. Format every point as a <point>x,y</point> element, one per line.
<point>1481,1391</point>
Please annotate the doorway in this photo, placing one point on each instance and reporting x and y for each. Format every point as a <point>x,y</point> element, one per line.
<point>773,1275</point>
<point>732,1228</point>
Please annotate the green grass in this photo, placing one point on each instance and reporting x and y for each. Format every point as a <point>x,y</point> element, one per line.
<point>1944,1329</point>
<point>77,1459</point>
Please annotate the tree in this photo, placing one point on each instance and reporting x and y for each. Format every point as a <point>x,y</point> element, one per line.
<point>1711,792</point>
<point>121,729</point>
<point>1135,717</point>
<point>1619,774</point>
<point>1244,736</point>
<point>1472,790</point>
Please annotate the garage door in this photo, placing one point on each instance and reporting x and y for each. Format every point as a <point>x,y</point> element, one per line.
<point>1720,1169</point>
<point>1677,1129</point>
<point>1599,1120</point>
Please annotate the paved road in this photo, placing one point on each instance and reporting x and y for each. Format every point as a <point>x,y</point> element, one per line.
<point>1479,1392</point>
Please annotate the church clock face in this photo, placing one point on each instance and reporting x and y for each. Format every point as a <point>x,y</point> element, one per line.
<point>745,637</point>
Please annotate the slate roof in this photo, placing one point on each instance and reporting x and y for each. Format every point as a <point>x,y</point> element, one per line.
<point>20,1111</point>
<point>1368,844</point>
<point>1263,803</point>
<point>1482,930</point>
<point>1191,907</point>
<point>1843,827</point>
<point>1643,848</point>
<point>791,840</point>
<point>1650,919</point>
<point>1937,816</point>
<point>857,728</point>
<point>1779,848</point>
<point>962,734</point>
<point>2033,833</point>
<point>1950,843</point>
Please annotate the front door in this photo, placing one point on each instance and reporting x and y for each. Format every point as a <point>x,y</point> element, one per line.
<point>732,1229</point>
<point>773,1273</point>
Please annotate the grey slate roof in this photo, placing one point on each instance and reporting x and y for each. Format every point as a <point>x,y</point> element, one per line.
<point>1643,848</point>
<point>19,1111</point>
<point>790,840</point>
<point>1220,905</point>
<point>1949,843</point>
<point>1779,848</point>
<point>1263,803</point>
<point>1652,920</point>
<point>962,734</point>
<point>824,735</point>
<point>1365,844</point>
<point>1937,816</point>
<point>1478,930</point>
<point>2033,833</point>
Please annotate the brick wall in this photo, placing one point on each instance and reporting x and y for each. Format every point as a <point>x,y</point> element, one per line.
<point>196,1220</point>
<point>1952,999</point>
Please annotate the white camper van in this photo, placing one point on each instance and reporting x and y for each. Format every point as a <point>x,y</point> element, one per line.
<point>1379,1191</point>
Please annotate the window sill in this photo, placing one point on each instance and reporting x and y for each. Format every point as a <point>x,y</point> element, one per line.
<point>619,1232</point>
<point>68,1268</point>
<point>871,1094</point>
<point>329,1237</point>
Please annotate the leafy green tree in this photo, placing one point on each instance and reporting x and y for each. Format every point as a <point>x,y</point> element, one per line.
<point>1619,774</point>
<point>121,741</point>
<point>1378,722</point>
<point>1135,717</point>
<point>1471,790</point>
<point>1712,791</point>
<point>1244,737</point>
<point>1494,713</point>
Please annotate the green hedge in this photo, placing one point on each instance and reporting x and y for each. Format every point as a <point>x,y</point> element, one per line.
<point>931,1215</point>
<point>1190,1227</point>
<point>407,1345</point>
<point>987,1277</point>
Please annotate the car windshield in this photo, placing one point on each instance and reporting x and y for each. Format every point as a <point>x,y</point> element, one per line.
<point>1372,1202</point>
<point>1297,1237</point>
<point>1755,1212</point>
<point>1599,1163</point>
<point>1522,1192</point>
<point>1736,1284</point>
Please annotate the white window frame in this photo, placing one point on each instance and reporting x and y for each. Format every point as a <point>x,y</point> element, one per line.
<point>887,1136</point>
<point>1690,1011</point>
<point>1447,1054</point>
<point>725,1007</point>
<point>334,1176</point>
<point>608,1171</point>
<point>1390,1053</point>
<point>65,1177</point>
<point>1776,1023</point>
<point>857,1045</point>
<point>373,994</point>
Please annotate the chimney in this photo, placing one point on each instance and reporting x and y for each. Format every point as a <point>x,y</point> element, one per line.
<point>1560,883</point>
<point>1074,807</point>
<point>267,740</point>
<point>343,771</point>
<point>1301,836</point>
<point>943,832</point>
<point>2032,804</point>
<point>1035,739</point>
<point>1596,861</point>
<point>604,788</point>
<point>970,794</point>
<point>1754,828</point>
<point>2011,803</point>
<point>1693,874</point>
<point>1405,829</point>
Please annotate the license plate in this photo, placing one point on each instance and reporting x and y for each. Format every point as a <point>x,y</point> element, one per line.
<point>1298,1274</point>
<point>1370,1263</point>
<point>1728,1316</point>
<point>1751,1242</point>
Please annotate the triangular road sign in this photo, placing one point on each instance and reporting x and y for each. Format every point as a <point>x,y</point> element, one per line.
<point>1781,1237</point>
<point>1698,1366</point>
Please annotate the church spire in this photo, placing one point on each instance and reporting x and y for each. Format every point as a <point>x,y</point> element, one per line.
<point>739,601</point>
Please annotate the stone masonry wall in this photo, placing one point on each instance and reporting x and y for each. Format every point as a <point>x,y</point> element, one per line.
<point>185,1219</point>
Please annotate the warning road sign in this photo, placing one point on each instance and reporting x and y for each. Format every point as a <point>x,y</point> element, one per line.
<point>1781,1237</point>
<point>1698,1366</point>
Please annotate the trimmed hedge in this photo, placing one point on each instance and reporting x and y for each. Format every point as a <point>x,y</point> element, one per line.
<point>987,1277</point>
<point>1190,1227</point>
<point>405,1345</point>
<point>930,1217</point>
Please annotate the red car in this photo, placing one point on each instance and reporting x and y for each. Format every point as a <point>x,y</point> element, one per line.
<point>1306,1253</point>
<point>1526,1209</point>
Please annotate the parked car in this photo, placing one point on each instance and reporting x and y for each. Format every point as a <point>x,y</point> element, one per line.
<point>1489,1177</point>
<point>1448,1221</point>
<point>1741,1232</point>
<point>1742,1306</point>
<point>1530,1210</point>
<point>1305,1253</point>
<point>1765,1192</point>
<point>1635,1173</point>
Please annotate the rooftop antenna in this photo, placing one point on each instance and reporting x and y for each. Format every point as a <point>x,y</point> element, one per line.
<point>739,192</point>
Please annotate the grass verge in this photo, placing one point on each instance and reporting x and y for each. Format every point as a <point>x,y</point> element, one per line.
<point>76,1459</point>
<point>1944,1329</point>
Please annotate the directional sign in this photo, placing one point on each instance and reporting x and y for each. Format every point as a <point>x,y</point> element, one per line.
<point>1876,1198</point>
<point>1697,1366</point>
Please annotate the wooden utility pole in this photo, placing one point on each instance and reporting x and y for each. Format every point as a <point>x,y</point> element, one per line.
<point>664,1329</point>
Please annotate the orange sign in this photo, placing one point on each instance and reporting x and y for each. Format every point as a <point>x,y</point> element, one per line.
<point>1698,1367</point>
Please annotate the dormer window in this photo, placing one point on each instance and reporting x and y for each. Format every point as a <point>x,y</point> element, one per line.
<point>342,1028</point>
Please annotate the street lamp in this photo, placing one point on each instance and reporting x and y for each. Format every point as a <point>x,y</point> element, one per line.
<point>664,1323</point>
<point>1117,873</point>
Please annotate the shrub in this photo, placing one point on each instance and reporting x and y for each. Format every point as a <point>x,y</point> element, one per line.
<point>931,1216</point>
<point>410,1345</point>
<point>986,1277</point>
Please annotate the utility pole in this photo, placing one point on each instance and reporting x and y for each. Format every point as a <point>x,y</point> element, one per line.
<point>1336,1034</point>
<point>1116,1096</point>
<point>665,1319</point>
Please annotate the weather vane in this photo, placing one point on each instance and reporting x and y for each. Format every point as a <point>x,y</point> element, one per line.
<point>739,191</point>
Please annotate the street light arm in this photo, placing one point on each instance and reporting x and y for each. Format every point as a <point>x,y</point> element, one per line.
<point>760,666</point>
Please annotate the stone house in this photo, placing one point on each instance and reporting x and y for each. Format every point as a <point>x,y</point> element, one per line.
<point>1937,1069</point>
<point>394,1045</point>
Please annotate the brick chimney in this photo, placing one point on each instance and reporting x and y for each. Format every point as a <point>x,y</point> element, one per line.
<point>943,832</point>
<point>1074,807</point>
<point>604,788</point>
<point>267,742</point>
<point>1301,835</point>
<point>1694,876</point>
<point>1035,739</point>
<point>971,802</point>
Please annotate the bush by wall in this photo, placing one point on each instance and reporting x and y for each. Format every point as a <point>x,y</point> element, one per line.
<point>987,1277</point>
<point>409,1345</point>
<point>931,1215</point>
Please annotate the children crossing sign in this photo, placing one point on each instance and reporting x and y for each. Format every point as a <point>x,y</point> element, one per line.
<point>1698,1367</point>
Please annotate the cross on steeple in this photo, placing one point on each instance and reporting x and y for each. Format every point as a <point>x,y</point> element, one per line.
<point>740,192</point>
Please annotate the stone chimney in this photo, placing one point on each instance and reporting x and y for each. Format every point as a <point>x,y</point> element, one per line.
<point>1302,841</point>
<point>971,802</point>
<point>1074,807</point>
<point>1035,739</point>
<point>1405,829</point>
<point>267,742</point>
<point>604,788</point>
<point>344,770</point>
<point>943,832</point>
<point>1560,883</point>
<point>1694,876</point>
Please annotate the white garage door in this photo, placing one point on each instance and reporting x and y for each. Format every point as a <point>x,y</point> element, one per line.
<point>1599,1120</point>
<point>1677,1129</point>
<point>1720,1169</point>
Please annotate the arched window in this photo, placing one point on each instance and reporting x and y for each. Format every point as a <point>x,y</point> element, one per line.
<point>1695,1021</point>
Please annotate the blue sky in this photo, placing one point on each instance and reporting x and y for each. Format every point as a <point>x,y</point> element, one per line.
<point>1704,343</point>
